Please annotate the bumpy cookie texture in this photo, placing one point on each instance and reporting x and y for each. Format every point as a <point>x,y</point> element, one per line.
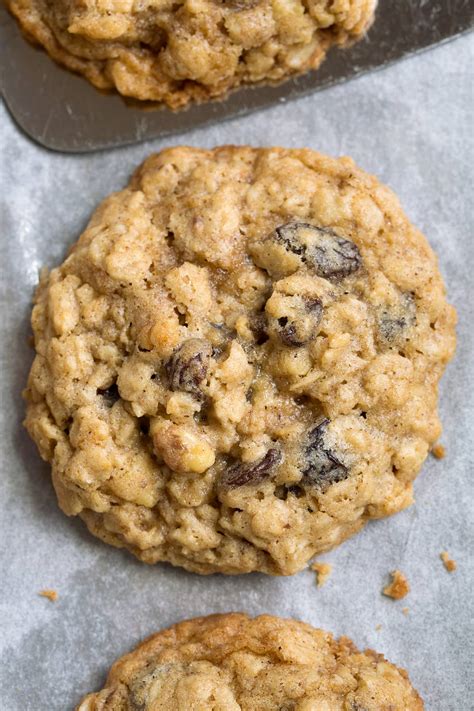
<point>237,364</point>
<point>235,663</point>
<point>189,50</point>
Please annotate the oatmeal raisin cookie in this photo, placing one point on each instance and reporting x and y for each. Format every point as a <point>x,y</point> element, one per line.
<point>237,365</point>
<point>234,663</point>
<point>189,50</point>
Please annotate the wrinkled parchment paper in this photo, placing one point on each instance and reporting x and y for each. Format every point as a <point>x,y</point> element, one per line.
<point>412,126</point>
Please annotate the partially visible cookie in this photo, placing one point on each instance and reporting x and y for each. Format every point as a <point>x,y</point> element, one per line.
<point>237,364</point>
<point>235,663</point>
<point>189,50</point>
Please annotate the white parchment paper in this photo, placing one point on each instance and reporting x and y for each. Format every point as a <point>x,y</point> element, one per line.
<point>412,126</point>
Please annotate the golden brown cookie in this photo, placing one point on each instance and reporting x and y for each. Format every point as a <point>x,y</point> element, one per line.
<point>189,50</point>
<point>237,364</point>
<point>235,663</point>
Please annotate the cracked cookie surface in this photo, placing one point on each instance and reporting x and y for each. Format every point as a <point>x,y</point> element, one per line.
<point>234,663</point>
<point>189,50</point>
<point>237,364</point>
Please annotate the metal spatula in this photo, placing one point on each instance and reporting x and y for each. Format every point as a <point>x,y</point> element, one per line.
<point>63,112</point>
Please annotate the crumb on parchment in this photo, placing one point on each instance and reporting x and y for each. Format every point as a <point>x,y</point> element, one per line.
<point>378,628</point>
<point>50,594</point>
<point>448,562</point>
<point>405,610</point>
<point>323,571</point>
<point>399,586</point>
<point>438,451</point>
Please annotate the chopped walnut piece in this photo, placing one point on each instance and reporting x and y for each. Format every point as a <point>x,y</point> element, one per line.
<point>183,449</point>
<point>448,563</point>
<point>399,586</point>
<point>323,571</point>
<point>438,451</point>
<point>50,594</point>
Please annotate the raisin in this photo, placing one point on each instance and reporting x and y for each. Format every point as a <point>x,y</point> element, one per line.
<point>295,490</point>
<point>110,395</point>
<point>323,467</point>
<point>395,320</point>
<point>244,473</point>
<point>289,234</point>
<point>258,326</point>
<point>188,366</point>
<point>301,324</point>
<point>282,492</point>
<point>330,255</point>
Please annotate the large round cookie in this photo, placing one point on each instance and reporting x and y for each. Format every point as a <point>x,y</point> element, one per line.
<point>237,364</point>
<point>177,52</point>
<point>235,663</point>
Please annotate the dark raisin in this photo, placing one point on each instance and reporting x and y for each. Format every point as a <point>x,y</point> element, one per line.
<point>109,395</point>
<point>302,322</point>
<point>394,321</point>
<point>284,490</point>
<point>188,366</point>
<point>323,467</point>
<point>296,491</point>
<point>258,326</point>
<point>330,255</point>
<point>243,473</point>
<point>281,492</point>
<point>290,234</point>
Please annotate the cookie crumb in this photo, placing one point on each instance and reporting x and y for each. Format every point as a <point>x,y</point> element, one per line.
<point>405,610</point>
<point>378,628</point>
<point>439,451</point>
<point>399,586</point>
<point>448,562</point>
<point>323,571</point>
<point>50,594</point>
